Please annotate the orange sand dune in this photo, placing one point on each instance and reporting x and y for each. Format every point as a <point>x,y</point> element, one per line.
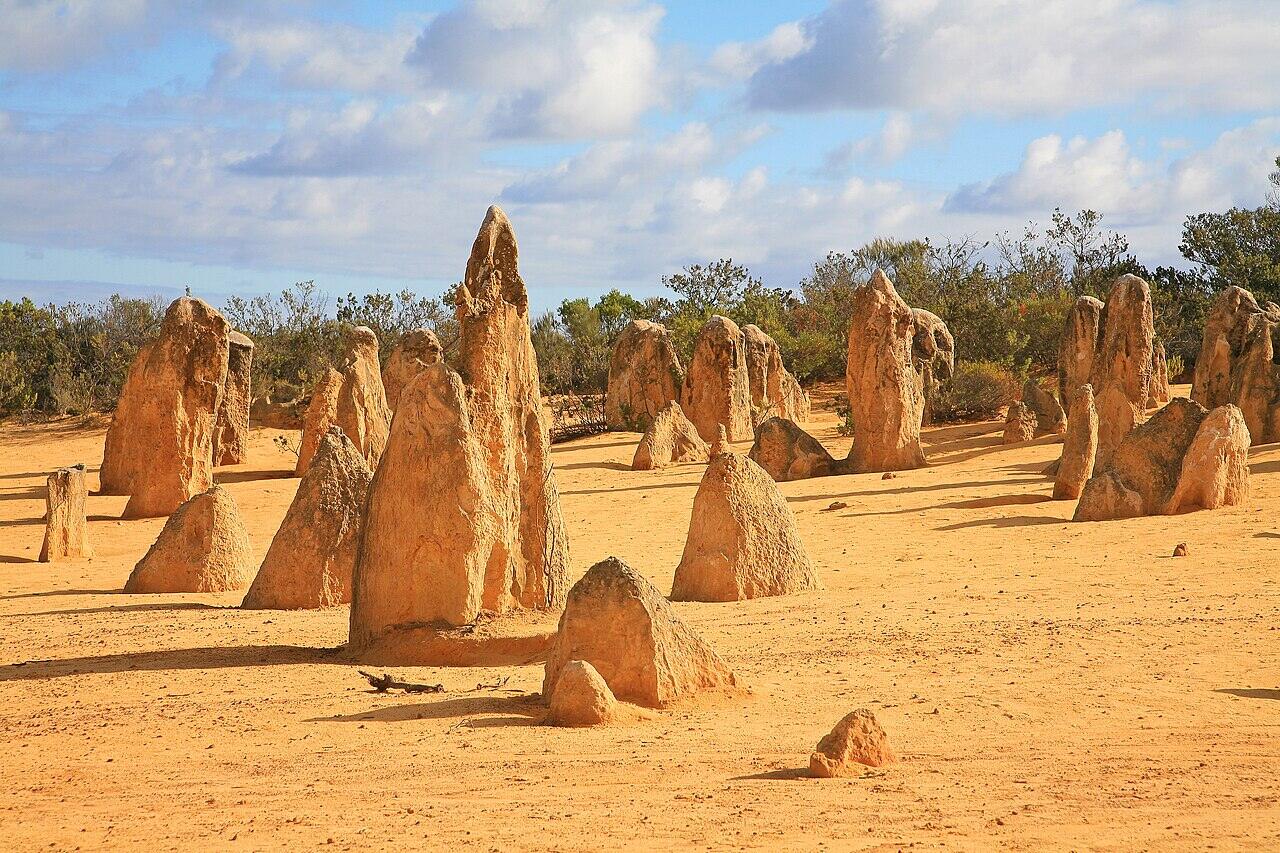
<point>1046,684</point>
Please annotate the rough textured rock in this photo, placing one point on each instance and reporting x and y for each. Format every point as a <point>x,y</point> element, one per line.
<point>1079,342</point>
<point>774,391</point>
<point>742,542</point>
<point>1080,447</point>
<point>1121,374</point>
<point>671,437</point>
<point>311,558</point>
<point>933,351</point>
<point>786,452</point>
<point>203,547</point>
<point>884,390</point>
<point>433,526</point>
<point>1050,419</point>
<point>856,743</point>
<point>1255,377</point>
<point>1225,332</point>
<point>412,352</point>
<point>231,440</point>
<point>1159,392</point>
<point>1182,459</point>
<point>498,365</point>
<point>1019,424</point>
<point>322,413</point>
<point>619,623</point>
<point>66,533</point>
<point>159,447</point>
<point>644,376</point>
<point>717,389</point>
<point>581,697</point>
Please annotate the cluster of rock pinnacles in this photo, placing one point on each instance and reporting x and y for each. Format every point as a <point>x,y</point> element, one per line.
<point>421,551</point>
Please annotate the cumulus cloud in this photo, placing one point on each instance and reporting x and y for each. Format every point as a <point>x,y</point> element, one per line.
<point>1029,58</point>
<point>739,60</point>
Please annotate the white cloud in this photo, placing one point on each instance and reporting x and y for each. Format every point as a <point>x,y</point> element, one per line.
<point>1015,58</point>
<point>46,35</point>
<point>739,60</point>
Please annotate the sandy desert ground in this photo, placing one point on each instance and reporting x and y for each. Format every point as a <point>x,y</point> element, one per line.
<point>1047,684</point>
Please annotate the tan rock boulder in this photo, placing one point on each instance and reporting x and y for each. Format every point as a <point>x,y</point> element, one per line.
<point>231,440</point>
<point>933,352</point>
<point>159,447</point>
<point>1255,377</point>
<point>671,437</point>
<point>717,388</point>
<point>1167,465</point>
<point>414,350</point>
<point>856,743</point>
<point>743,541</point>
<point>1159,392</point>
<point>774,391</point>
<point>1019,424</point>
<point>203,547</point>
<point>619,623</point>
<point>313,554</point>
<point>885,395</point>
<point>1080,447</point>
<point>786,452</point>
<point>322,413</point>
<point>1225,331</point>
<point>644,376</point>
<point>581,697</point>
<point>434,534</point>
<point>498,365</point>
<point>1079,342</point>
<point>1050,419</point>
<point>1121,374</point>
<point>66,534</point>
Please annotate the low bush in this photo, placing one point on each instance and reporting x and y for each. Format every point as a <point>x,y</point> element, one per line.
<point>978,390</point>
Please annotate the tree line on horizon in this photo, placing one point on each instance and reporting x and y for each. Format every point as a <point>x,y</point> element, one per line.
<point>1004,300</point>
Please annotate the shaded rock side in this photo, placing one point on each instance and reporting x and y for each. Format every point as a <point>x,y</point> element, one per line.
<point>231,440</point>
<point>1050,419</point>
<point>743,541</point>
<point>671,437</point>
<point>786,452</point>
<point>313,554</point>
<point>203,547</point>
<point>159,447</point>
<point>618,622</point>
<point>415,349</point>
<point>717,388</point>
<point>1080,447</point>
<point>66,534</point>
<point>885,396</point>
<point>644,376</point>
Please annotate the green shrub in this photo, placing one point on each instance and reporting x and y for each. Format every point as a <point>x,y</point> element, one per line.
<point>976,391</point>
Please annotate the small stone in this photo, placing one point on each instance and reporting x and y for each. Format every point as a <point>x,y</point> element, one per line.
<point>1180,550</point>
<point>581,697</point>
<point>888,475</point>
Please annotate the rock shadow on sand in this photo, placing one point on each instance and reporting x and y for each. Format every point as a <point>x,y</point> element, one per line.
<point>523,710</point>
<point>172,659</point>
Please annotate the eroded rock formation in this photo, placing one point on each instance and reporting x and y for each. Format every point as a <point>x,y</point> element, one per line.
<point>717,389</point>
<point>1121,374</point>
<point>231,440</point>
<point>1079,342</point>
<point>312,556</point>
<point>1226,330</point>
<point>355,401</point>
<point>66,532</point>
<point>159,447</point>
<point>743,541</point>
<point>671,437</point>
<point>1019,423</point>
<point>414,350</point>
<point>1050,419</point>
<point>933,351</point>
<point>1159,393</point>
<point>203,547</point>
<point>774,391</point>
<point>1080,447</point>
<point>322,413</point>
<point>619,623</point>
<point>856,743</point>
<point>644,376</point>
<point>581,697</point>
<point>786,452</point>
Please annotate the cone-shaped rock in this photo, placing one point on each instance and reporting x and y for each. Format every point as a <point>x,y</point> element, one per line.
<point>933,352</point>
<point>644,376</point>
<point>619,623</point>
<point>1080,447</point>
<point>203,547</point>
<point>498,365</point>
<point>717,389</point>
<point>670,438</point>
<point>432,524</point>
<point>1048,411</point>
<point>787,452</point>
<point>356,400</point>
<point>322,413</point>
<point>885,396</point>
<point>414,350</point>
<point>1121,374</point>
<point>65,529</point>
<point>1019,424</point>
<point>159,447</point>
<point>311,559</point>
<point>856,743</point>
<point>742,542</point>
<point>774,391</point>
<point>581,697</point>
<point>1182,459</point>
<point>231,441</point>
<point>1079,342</point>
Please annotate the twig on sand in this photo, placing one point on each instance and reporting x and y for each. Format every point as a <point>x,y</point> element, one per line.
<point>500,683</point>
<point>383,683</point>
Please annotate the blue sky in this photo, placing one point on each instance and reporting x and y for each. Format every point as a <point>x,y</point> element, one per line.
<point>237,146</point>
